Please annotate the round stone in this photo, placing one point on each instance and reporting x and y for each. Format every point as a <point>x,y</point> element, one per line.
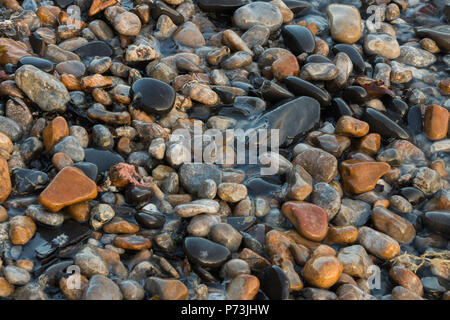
<point>152,96</point>
<point>258,13</point>
<point>205,252</point>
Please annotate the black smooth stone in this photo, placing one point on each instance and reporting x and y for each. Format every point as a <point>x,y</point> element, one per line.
<point>205,252</point>
<point>27,181</point>
<point>447,11</point>
<point>438,221</point>
<point>248,106</point>
<point>152,96</point>
<point>89,169</point>
<point>37,43</point>
<point>383,125</point>
<point>440,34</point>
<point>396,105</point>
<point>241,223</point>
<point>339,108</point>
<point>317,58</point>
<point>159,8</point>
<point>221,6</point>
<point>414,119</point>
<point>64,3</point>
<point>136,195</point>
<point>358,61</point>
<point>413,195</point>
<point>297,6</point>
<point>355,94</point>
<point>292,119</point>
<point>103,159</point>
<point>242,85</point>
<point>300,87</point>
<point>298,39</point>
<point>260,187</point>
<point>94,48</point>
<point>273,92</point>
<point>150,220</point>
<point>43,64</point>
<point>274,283</point>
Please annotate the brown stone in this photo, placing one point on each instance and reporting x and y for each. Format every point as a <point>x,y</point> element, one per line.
<point>9,88</point>
<point>5,180</point>
<point>277,243</point>
<point>345,23</point>
<point>100,5</point>
<point>401,293</point>
<point>362,176</point>
<point>294,235</point>
<point>393,225</point>
<point>444,86</point>
<point>71,82</point>
<point>243,287</point>
<point>25,264</point>
<point>12,51</point>
<point>369,144</point>
<point>101,96</point>
<point>323,250</point>
<point>6,289</point>
<point>436,122</point>
<point>79,211</point>
<point>351,127</point>
<point>254,260</point>
<point>12,4</point>
<point>342,234</point>
<point>439,166</point>
<point>48,15</point>
<point>3,214</point>
<point>119,225</point>
<point>21,229</point>
<point>284,66</point>
<point>232,40</point>
<point>61,160</point>
<point>122,174</point>
<point>166,289</point>
<point>321,165</point>
<point>378,244</point>
<point>346,279</point>
<point>323,271</point>
<point>381,203</point>
<point>95,81</point>
<point>70,292</point>
<point>69,186</point>
<point>300,253</point>
<point>189,35</point>
<point>132,242</point>
<point>407,279</point>
<point>54,132</point>
<point>6,146</point>
<point>311,221</point>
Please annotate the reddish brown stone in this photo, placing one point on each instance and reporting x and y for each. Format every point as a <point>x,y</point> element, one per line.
<point>48,15</point>
<point>54,132</point>
<point>71,82</point>
<point>254,260</point>
<point>21,230</point>
<point>122,174</point>
<point>79,211</point>
<point>369,144</point>
<point>436,122</point>
<point>323,271</point>
<point>444,86</point>
<point>6,289</point>
<point>342,235</point>
<point>351,127</point>
<point>69,186</point>
<point>118,225</point>
<point>132,242</point>
<point>311,221</point>
<point>407,279</point>
<point>166,289</point>
<point>95,81</point>
<point>362,176</point>
<point>100,5</point>
<point>284,66</point>
<point>3,216</point>
<point>243,287</point>
<point>5,180</point>
<point>393,225</point>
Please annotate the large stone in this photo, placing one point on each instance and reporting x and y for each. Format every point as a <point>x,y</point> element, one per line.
<point>69,186</point>
<point>42,88</point>
<point>362,176</point>
<point>102,288</point>
<point>393,225</point>
<point>166,289</point>
<point>322,271</point>
<point>345,23</point>
<point>378,244</point>
<point>258,13</point>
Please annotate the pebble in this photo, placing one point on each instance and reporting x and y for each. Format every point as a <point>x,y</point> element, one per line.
<point>345,23</point>
<point>427,180</point>
<point>5,182</point>
<point>70,146</point>
<point>16,276</point>
<point>90,262</point>
<point>166,289</point>
<point>321,165</point>
<point>21,229</point>
<point>311,221</point>
<point>322,271</point>
<point>102,288</point>
<point>415,57</point>
<point>132,242</point>
<point>197,207</point>
<point>438,221</point>
<point>42,88</point>
<point>243,287</point>
<point>258,13</point>
<point>226,235</point>
<point>355,182</point>
<point>383,45</point>
<point>356,262</point>
<point>193,174</point>
<point>407,279</point>
<point>39,214</point>
<point>378,244</point>
<point>205,252</point>
<point>61,193</point>
<point>436,122</point>
<point>298,39</point>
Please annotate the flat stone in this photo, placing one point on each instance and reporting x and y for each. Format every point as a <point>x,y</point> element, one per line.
<point>258,13</point>
<point>378,244</point>
<point>166,289</point>
<point>438,221</point>
<point>321,165</point>
<point>205,252</point>
<point>362,176</point>
<point>69,186</point>
<point>298,39</point>
<point>311,221</point>
<point>152,96</point>
<point>94,49</point>
<point>243,287</point>
<point>102,288</point>
<point>300,87</point>
<point>132,242</point>
<point>383,45</point>
<point>39,214</point>
<point>393,225</point>
<point>356,261</point>
<point>197,207</point>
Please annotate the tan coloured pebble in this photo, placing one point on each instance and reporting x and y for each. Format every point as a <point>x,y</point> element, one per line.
<point>243,287</point>
<point>322,271</point>
<point>436,122</point>
<point>21,229</point>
